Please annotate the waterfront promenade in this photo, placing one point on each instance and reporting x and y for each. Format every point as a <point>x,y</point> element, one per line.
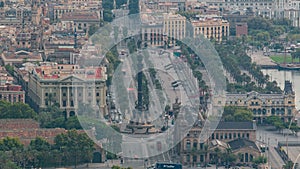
<point>260,59</point>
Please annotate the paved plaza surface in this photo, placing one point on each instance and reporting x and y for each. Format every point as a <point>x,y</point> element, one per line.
<point>269,136</point>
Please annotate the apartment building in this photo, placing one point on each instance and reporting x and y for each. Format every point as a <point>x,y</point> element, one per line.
<point>166,6</point>
<point>152,30</point>
<point>293,15</point>
<point>79,20</point>
<point>15,56</point>
<point>69,86</point>
<point>257,5</point>
<point>159,29</point>
<point>8,91</point>
<point>211,28</point>
<point>174,26</point>
<point>12,93</point>
<point>74,6</point>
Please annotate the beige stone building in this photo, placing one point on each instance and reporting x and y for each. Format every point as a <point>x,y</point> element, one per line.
<point>19,57</point>
<point>69,86</point>
<point>174,26</point>
<point>264,105</point>
<point>195,151</point>
<point>209,27</point>
<point>158,29</point>
<point>79,20</point>
<point>8,91</point>
<point>77,6</point>
<point>152,30</point>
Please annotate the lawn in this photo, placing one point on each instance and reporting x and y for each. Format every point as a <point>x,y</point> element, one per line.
<point>280,59</point>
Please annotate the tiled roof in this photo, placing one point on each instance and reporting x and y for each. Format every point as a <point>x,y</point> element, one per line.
<point>242,143</point>
<point>236,126</point>
<point>53,72</point>
<point>80,16</point>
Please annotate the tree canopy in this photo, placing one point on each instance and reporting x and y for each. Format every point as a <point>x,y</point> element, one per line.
<point>70,148</point>
<point>53,117</point>
<point>76,146</point>
<point>237,114</point>
<point>133,7</point>
<point>16,111</point>
<point>9,143</point>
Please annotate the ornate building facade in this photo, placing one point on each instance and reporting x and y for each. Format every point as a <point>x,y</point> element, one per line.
<point>69,86</point>
<point>264,105</point>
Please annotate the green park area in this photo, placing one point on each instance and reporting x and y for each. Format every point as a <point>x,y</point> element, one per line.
<point>280,58</point>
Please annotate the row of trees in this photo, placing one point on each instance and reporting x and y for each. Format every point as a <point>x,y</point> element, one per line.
<point>234,58</point>
<point>108,6</point>
<point>70,148</point>
<point>280,125</point>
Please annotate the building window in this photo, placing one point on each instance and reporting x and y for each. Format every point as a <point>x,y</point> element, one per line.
<point>225,136</point>
<point>97,94</point>
<point>46,94</point>
<point>201,158</point>
<point>242,158</point>
<point>188,158</point>
<point>289,111</point>
<point>239,135</point>
<point>188,145</point>
<point>64,94</point>
<point>246,157</point>
<point>90,94</point>
<point>230,136</point>
<point>247,135</point>
<point>212,136</point>
<point>217,135</point>
<point>194,159</point>
<point>201,146</point>
<point>64,103</point>
<point>195,144</point>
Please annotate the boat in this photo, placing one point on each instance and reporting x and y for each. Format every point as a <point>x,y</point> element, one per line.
<point>289,66</point>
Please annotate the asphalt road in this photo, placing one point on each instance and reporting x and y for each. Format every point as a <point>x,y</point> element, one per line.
<point>271,137</point>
